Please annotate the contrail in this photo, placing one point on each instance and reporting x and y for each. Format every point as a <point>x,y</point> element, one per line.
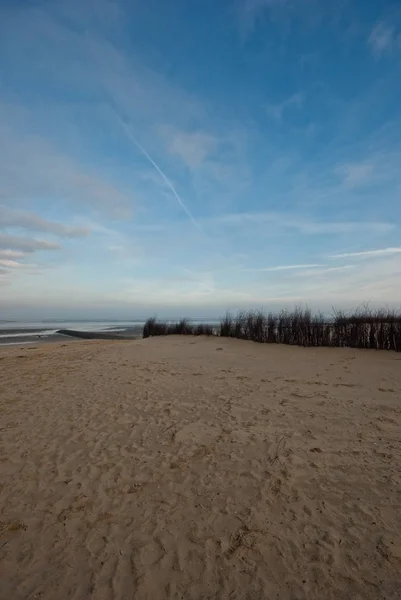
<point>158,169</point>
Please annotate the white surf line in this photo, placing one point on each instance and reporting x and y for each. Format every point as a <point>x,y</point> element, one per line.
<point>22,343</point>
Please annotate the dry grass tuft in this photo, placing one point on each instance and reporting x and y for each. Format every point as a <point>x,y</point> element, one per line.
<point>362,328</point>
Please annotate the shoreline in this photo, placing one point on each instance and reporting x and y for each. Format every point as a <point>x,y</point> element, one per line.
<point>24,337</point>
<point>29,340</point>
<point>98,335</point>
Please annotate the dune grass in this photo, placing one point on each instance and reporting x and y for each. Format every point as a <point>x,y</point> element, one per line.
<point>362,328</point>
<point>183,327</point>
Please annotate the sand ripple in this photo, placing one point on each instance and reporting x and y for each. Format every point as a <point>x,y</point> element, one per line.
<point>165,469</point>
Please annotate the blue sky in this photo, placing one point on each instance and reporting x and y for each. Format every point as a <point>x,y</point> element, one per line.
<point>189,157</point>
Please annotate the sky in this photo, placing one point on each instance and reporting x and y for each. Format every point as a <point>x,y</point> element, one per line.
<point>190,157</point>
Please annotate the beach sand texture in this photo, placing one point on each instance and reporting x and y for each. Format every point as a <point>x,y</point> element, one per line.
<point>199,469</point>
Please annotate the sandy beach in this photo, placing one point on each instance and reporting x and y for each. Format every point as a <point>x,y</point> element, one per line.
<point>207,468</point>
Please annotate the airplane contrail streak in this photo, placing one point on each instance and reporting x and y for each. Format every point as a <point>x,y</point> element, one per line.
<point>158,169</point>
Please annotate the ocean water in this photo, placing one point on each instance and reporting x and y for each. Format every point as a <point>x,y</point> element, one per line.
<point>34,332</point>
<point>29,332</point>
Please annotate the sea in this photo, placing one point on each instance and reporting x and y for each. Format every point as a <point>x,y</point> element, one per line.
<point>25,333</point>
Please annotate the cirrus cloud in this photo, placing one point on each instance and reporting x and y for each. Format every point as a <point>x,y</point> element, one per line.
<point>368,253</point>
<point>33,222</point>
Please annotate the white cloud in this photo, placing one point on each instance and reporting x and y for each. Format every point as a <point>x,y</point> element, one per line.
<point>341,227</point>
<point>167,292</point>
<point>13,264</point>
<point>98,69</point>
<point>307,226</point>
<point>250,11</point>
<point>276,110</point>
<point>25,244</point>
<point>324,272</point>
<point>11,254</point>
<point>192,147</point>
<point>10,268</point>
<point>355,175</point>
<point>31,167</point>
<point>285,268</point>
<point>95,13</point>
<point>211,158</point>
<point>38,170</point>
<point>382,39</point>
<point>33,222</point>
<point>368,253</point>
<point>92,63</point>
<point>378,282</point>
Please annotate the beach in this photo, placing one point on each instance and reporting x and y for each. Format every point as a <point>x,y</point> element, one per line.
<point>199,468</point>
<point>14,333</point>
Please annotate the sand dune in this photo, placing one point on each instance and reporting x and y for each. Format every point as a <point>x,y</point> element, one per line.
<point>181,468</point>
